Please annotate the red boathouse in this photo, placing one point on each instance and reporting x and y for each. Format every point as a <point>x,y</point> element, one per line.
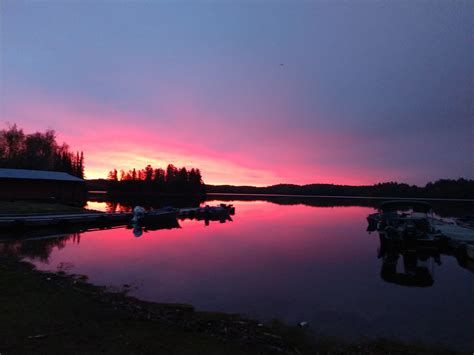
<point>21,184</point>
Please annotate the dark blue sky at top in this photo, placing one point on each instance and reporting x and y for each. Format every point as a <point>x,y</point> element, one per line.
<point>397,76</point>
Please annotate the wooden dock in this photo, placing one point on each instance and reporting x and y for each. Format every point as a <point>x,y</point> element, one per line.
<point>62,221</point>
<point>455,234</point>
<point>48,220</point>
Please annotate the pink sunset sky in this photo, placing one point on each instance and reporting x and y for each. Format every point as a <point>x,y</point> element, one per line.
<point>251,93</point>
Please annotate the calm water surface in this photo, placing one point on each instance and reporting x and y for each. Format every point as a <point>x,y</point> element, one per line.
<point>291,262</point>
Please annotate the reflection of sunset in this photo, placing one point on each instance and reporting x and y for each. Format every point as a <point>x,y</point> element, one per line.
<point>269,230</point>
<point>294,262</point>
<point>97,206</point>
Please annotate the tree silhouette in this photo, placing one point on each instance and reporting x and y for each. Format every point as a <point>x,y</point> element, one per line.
<point>38,151</point>
<point>151,181</point>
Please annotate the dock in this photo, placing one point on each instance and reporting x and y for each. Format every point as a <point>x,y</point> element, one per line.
<point>102,219</point>
<point>454,233</point>
<point>61,220</point>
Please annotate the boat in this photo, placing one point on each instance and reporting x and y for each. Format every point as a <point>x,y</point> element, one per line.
<point>215,212</point>
<point>153,217</point>
<point>230,207</point>
<point>409,222</point>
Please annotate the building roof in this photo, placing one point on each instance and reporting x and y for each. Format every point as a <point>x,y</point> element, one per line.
<point>36,175</point>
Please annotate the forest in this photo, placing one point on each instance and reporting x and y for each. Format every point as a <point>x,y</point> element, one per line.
<point>443,188</point>
<point>151,181</point>
<point>38,151</point>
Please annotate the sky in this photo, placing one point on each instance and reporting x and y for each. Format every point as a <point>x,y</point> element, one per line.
<point>249,92</point>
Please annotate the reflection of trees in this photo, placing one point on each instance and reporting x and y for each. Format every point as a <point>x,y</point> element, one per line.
<point>114,206</point>
<point>442,208</point>
<point>121,203</point>
<point>298,200</point>
<point>38,249</point>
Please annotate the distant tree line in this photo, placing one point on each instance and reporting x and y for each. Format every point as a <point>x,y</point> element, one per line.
<point>149,181</point>
<point>38,151</point>
<point>444,188</point>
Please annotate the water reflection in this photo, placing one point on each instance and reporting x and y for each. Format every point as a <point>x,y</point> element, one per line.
<point>292,262</point>
<point>39,249</point>
<point>413,273</point>
<point>139,229</point>
<point>108,206</point>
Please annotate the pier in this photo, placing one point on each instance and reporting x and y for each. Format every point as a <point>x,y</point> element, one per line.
<point>22,222</point>
<point>60,220</point>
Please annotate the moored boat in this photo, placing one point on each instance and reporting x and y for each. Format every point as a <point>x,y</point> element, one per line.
<point>409,222</point>
<point>164,215</point>
<point>222,210</point>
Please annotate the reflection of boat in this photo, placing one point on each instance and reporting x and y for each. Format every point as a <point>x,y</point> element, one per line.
<point>169,223</point>
<point>373,220</point>
<point>154,225</point>
<point>415,259</point>
<point>221,213</point>
<point>465,256</point>
<point>144,221</point>
<point>413,274</point>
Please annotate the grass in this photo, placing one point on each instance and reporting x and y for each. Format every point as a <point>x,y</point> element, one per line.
<point>32,207</point>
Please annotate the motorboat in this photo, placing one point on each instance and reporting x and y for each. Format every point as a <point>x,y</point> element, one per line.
<point>408,221</point>
<point>153,217</point>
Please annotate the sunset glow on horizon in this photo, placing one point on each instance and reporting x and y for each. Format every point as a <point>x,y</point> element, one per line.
<point>346,93</point>
<point>110,140</point>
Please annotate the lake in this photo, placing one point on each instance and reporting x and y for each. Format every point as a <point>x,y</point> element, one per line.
<point>289,260</point>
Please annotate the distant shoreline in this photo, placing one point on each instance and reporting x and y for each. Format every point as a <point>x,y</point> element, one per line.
<point>105,192</point>
<point>351,197</point>
<point>443,190</point>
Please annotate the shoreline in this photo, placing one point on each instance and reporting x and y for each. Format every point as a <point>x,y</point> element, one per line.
<point>50,312</point>
<point>74,304</point>
<point>342,197</point>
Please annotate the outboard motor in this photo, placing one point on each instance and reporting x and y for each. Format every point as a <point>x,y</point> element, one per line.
<point>138,213</point>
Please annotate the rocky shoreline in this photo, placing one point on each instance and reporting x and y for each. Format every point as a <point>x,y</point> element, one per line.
<point>55,312</point>
<point>244,334</point>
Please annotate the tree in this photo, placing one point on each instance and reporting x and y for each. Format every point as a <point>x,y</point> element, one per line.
<point>38,151</point>
<point>112,176</point>
<point>157,181</point>
<point>148,173</point>
<point>13,142</point>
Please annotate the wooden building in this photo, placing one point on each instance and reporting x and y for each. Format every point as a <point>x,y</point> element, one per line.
<point>21,184</point>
